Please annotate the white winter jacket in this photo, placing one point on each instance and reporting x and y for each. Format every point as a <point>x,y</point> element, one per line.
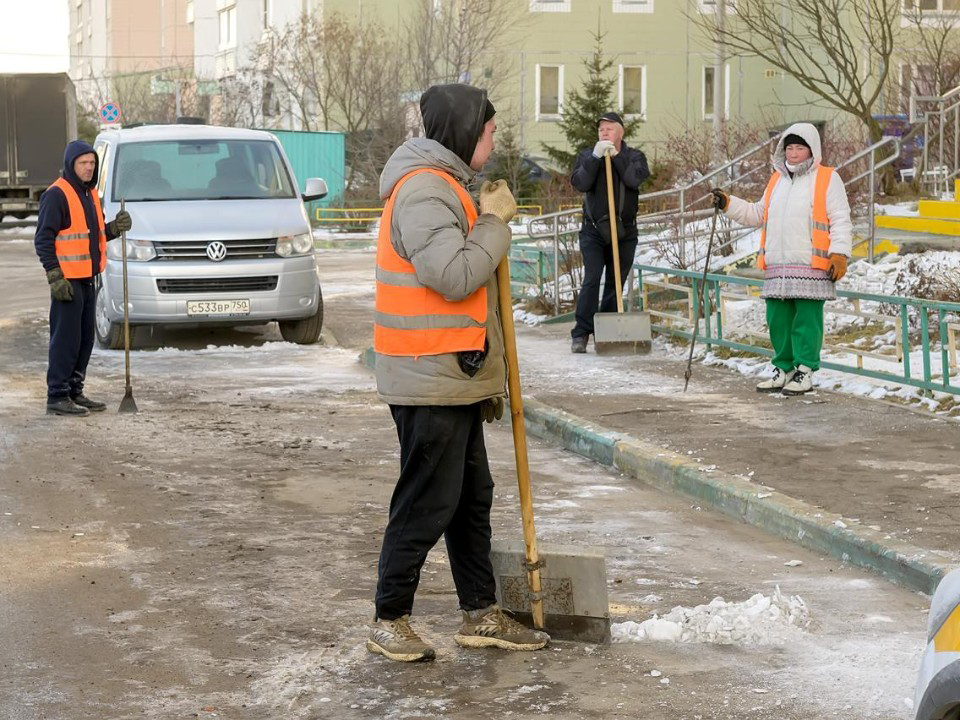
<point>790,222</point>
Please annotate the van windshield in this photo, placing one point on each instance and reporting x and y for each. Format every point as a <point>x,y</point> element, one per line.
<point>200,170</point>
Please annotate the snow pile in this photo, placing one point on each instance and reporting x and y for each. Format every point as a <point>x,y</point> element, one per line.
<point>761,620</point>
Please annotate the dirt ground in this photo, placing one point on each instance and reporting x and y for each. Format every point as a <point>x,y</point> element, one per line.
<point>215,554</point>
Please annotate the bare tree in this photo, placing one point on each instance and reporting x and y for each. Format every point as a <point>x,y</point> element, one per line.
<point>838,50</point>
<point>935,55</point>
<point>335,73</point>
<point>456,41</point>
<point>150,96</point>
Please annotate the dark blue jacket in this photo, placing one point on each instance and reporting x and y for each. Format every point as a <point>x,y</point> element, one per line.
<point>55,213</point>
<point>590,177</point>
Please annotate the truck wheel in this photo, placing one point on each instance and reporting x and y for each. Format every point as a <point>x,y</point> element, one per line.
<point>306,331</point>
<point>109,334</point>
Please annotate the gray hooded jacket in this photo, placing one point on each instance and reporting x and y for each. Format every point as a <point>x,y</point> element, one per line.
<point>429,229</point>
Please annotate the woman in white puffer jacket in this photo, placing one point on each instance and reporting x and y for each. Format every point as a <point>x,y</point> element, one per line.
<point>803,252</point>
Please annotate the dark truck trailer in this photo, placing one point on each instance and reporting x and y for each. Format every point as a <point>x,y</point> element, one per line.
<point>38,117</point>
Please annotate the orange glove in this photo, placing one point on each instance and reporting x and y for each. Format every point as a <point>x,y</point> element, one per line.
<point>838,266</point>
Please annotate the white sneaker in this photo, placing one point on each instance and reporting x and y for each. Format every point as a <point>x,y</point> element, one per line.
<point>800,383</point>
<point>776,383</point>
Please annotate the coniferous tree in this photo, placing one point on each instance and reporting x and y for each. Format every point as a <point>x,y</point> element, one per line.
<point>579,121</point>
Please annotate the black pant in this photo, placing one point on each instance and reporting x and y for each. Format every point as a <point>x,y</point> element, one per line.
<point>71,341</point>
<point>598,256</point>
<point>445,488</point>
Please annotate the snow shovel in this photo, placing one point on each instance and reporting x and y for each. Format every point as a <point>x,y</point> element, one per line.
<point>562,589</point>
<point>619,333</point>
<point>128,404</point>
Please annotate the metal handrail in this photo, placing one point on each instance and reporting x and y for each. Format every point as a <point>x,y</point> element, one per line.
<point>713,332</point>
<point>555,232</point>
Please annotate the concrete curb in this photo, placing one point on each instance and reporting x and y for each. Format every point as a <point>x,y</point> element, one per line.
<point>781,515</point>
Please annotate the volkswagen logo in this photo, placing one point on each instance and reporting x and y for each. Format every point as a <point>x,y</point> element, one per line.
<point>216,251</point>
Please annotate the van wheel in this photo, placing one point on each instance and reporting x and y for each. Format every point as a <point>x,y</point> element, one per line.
<point>306,331</point>
<point>109,334</point>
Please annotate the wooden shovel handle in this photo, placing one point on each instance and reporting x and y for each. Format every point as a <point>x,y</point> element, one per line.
<point>520,441</point>
<point>613,232</point>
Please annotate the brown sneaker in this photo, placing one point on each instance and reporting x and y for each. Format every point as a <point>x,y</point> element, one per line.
<point>492,627</point>
<point>396,640</point>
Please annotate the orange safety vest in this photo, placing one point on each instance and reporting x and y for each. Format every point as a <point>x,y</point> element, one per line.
<point>73,242</point>
<point>411,319</point>
<point>821,224</point>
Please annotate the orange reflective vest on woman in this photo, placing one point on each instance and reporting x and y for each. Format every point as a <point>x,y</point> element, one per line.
<point>821,223</point>
<point>73,242</point>
<point>410,318</point>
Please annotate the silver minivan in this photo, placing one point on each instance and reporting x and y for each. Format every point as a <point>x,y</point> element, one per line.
<point>220,232</point>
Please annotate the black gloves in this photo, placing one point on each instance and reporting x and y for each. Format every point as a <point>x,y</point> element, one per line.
<point>720,199</point>
<point>121,223</point>
<point>492,409</point>
<point>60,287</point>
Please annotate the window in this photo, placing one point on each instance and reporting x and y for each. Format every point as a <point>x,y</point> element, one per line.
<point>549,5</point>
<point>549,92</point>
<point>200,170</point>
<point>710,6</point>
<point>228,27</point>
<point>916,80</point>
<point>189,12</point>
<point>709,101</point>
<point>931,5</point>
<point>633,6</point>
<point>633,91</point>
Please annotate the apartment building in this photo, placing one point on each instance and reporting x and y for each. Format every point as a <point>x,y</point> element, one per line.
<point>666,71</point>
<point>117,37</point>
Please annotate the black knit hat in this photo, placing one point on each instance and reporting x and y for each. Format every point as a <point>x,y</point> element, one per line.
<point>610,117</point>
<point>454,116</point>
<point>793,139</point>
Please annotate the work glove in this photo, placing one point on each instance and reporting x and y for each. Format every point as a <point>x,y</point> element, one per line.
<point>60,287</point>
<point>496,199</point>
<point>604,147</point>
<point>492,409</point>
<point>838,266</point>
<point>720,199</point>
<point>121,223</point>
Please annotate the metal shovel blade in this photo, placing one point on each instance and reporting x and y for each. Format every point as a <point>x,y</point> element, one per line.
<point>622,333</point>
<point>128,404</point>
<point>574,588</point>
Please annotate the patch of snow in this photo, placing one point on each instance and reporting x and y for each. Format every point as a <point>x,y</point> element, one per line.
<point>761,620</point>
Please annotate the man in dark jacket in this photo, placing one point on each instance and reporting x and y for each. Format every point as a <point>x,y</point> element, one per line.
<point>71,244</point>
<point>589,177</point>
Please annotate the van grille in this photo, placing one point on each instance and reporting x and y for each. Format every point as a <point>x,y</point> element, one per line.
<point>197,249</point>
<point>261,283</point>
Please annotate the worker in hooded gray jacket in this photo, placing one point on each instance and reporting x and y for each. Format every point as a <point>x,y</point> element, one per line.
<point>441,368</point>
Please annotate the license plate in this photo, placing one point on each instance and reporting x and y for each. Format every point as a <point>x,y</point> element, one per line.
<point>222,308</point>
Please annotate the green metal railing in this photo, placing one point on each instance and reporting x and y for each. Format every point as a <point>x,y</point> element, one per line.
<point>721,288</point>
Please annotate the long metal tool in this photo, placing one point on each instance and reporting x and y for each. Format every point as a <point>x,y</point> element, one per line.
<point>127,404</point>
<point>560,588</point>
<point>619,333</point>
<point>703,300</point>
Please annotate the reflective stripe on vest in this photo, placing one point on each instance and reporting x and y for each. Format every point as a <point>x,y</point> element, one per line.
<point>821,224</point>
<point>411,319</point>
<point>73,242</point>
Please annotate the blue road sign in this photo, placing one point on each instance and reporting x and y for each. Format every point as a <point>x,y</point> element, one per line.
<point>110,112</point>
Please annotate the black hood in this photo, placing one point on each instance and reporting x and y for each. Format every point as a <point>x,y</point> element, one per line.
<point>70,155</point>
<point>454,116</point>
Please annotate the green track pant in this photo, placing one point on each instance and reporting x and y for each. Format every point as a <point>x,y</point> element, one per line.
<point>796,331</point>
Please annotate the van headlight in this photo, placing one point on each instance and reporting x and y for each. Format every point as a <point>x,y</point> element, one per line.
<point>137,250</point>
<point>289,245</point>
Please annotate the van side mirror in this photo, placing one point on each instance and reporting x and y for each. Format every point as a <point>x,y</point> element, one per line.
<point>316,189</point>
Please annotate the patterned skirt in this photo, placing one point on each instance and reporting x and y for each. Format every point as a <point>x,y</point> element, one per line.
<point>797,282</point>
